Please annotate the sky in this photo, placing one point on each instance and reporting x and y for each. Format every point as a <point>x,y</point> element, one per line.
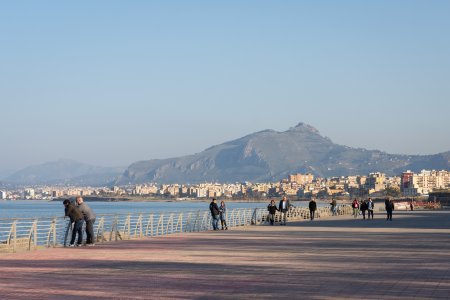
<point>109,83</point>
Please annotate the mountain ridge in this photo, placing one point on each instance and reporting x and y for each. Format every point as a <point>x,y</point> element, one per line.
<point>270,155</point>
<point>263,156</point>
<point>64,171</point>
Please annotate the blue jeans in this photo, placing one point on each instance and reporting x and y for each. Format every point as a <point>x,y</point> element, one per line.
<point>215,222</point>
<point>77,229</point>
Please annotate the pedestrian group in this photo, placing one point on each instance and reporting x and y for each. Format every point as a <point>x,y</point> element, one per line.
<point>79,214</point>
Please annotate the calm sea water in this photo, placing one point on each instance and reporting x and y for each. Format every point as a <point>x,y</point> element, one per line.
<point>40,208</point>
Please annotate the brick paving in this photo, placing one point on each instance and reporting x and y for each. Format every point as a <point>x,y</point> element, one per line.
<point>333,258</point>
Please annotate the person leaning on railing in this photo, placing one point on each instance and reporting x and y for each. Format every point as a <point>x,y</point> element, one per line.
<point>89,218</point>
<point>76,218</point>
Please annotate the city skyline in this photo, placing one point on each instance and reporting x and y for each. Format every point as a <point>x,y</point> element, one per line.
<point>111,83</point>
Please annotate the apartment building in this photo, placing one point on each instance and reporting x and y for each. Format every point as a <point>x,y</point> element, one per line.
<point>301,178</point>
<point>424,182</point>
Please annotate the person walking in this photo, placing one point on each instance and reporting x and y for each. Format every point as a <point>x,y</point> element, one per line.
<point>223,215</point>
<point>364,209</point>
<point>334,207</point>
<point>283,207</point>
<point>89,218</point>
<point>272,208</point>
<point>370,207</point>
<point>76,220</point>
<point>355,206</point>
<point>312,208</point>
<point>215,213</point>
<point>389,206</point>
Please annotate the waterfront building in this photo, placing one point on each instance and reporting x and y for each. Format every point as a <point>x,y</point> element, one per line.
<point>424,182</point>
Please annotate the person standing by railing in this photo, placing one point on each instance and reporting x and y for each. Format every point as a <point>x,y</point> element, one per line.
<point>272,208</point>
<point>215,213</point>
<point>76,218</point>
<point>223,215</point>
<point>89,218</point>
<point>284,208</point>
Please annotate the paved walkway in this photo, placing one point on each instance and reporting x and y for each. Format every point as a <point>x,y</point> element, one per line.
<point>334,258</point>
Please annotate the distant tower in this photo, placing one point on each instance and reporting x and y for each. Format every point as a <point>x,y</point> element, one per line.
<point>407,186</point>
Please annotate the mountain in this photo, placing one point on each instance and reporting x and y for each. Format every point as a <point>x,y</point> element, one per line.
<point>65,172</point>
<point>270,156</point>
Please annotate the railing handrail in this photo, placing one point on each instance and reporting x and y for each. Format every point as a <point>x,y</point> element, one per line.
<point>32,233</point>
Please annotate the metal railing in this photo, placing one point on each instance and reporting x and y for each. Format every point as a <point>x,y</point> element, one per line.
<point>260,215</point>
<point>32,234</point>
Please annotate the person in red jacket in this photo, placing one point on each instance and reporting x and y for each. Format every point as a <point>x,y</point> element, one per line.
<point>355,206</point>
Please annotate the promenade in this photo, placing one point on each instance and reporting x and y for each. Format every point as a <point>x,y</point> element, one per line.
<point>332,258</point>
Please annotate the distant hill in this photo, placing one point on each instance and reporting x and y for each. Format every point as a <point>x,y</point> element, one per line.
<point>65,172</point>
<point>270,156</point>
<point>259,157</point>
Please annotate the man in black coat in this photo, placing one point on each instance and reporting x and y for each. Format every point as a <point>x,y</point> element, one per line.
<point>215,214</point>
<point>389,205</point>
<point>312,208</point>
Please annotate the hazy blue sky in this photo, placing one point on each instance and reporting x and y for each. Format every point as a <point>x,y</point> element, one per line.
<point>113,82</point>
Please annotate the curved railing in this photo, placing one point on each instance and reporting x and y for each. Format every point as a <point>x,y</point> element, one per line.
<point>31,234</point>
<point>299,213</point>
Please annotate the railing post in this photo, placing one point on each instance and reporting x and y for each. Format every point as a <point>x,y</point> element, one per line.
<point>149,224</point>
<point>188,223</point>
<point>33,233</point>
<point>113,229</point>
<point>254,222</point>
<point>180,223</point>
<point>160,224</point>
<point>100,235</point>
<point>138,226</point>
<point>14,234</point>
<point>170,222</point>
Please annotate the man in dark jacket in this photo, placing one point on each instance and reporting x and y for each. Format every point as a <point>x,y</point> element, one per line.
<point>215,213</point>
<point>312,208</point>
<point>283,207</point>
<point>272,208</point>
<point>389,206</point>
<point>76,219</point>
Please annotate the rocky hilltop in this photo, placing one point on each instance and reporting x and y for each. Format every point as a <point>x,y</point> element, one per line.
<point>270,156</point>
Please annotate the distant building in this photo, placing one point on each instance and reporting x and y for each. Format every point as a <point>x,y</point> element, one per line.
<point>29,193</point>
<point>376,182</point>
<point>424,182</point>
<point>2,195</point>
<point>301,178</point>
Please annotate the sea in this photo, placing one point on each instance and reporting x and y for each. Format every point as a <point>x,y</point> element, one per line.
<point>48,209</point>
<point>43,208</point>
